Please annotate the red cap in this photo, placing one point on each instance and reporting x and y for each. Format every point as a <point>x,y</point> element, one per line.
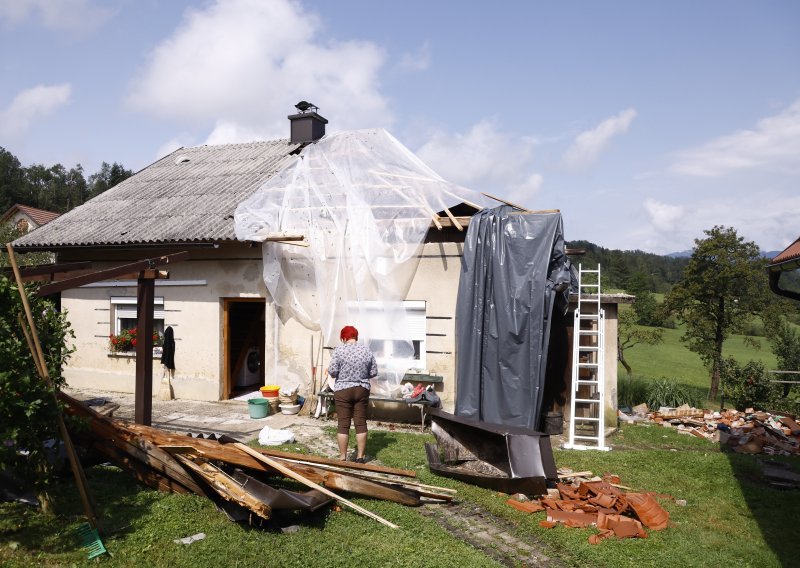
<point>348,333</point>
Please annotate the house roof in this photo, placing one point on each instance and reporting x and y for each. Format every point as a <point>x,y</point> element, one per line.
<point>38,216</point>
<point>188,196</point>
<point>791,252</point>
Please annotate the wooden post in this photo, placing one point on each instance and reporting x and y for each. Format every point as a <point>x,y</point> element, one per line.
<point>143,407</point>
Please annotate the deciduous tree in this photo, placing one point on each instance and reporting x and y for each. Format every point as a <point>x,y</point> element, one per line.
<point>723,285</point>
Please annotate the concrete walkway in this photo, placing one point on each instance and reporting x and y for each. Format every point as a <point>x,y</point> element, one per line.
<point>230,417</point>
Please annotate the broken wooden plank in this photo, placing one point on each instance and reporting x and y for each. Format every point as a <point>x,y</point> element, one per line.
<point>453,220</point>
<point>514,205</point>
<point>140,471</point>
<point>215,451</point>
<point>302,479</point>
<point>111,273</point>
<point>225,485</point>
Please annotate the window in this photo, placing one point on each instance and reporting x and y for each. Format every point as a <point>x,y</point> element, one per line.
<point>124,313</point>
<point>396,346</point>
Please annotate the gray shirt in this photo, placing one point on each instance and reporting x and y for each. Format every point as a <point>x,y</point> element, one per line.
<point>352,365</point>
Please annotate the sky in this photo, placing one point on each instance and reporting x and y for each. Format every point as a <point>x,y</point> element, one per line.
<point>644,123</point>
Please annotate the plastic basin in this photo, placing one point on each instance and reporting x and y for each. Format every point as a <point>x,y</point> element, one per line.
<point>270,391</point>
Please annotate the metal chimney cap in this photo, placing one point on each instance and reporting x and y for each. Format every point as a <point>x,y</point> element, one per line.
<point>305,106</point>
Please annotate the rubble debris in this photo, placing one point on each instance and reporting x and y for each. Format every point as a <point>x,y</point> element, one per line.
<point>589,500</point>
<point>215,468</point>
<point>749,432</point>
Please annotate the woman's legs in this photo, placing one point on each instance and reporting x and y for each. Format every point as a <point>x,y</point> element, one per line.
<point>344,412</point>
<point>360,419</point>
<point>351,404</point>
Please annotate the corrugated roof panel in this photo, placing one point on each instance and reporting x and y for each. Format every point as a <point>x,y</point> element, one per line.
<point>168,201</point>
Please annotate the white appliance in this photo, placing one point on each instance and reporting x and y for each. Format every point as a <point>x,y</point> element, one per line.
<point>250,373</point>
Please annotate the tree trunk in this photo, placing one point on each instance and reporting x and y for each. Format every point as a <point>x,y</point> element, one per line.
<point>719,338</point>
<point>712,395</point>
<point>621,359</point>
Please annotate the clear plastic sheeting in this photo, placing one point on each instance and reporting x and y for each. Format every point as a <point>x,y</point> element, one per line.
<point>515,272</point>
<point>364,204</point>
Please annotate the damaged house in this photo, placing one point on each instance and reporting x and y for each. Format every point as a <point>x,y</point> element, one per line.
<point>289,240</point>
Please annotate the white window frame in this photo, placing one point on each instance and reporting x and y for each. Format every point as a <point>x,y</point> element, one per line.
<point>415,311</point>
<point>124,307</point>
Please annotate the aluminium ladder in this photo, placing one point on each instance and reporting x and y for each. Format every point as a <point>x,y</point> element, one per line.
<point>587,403</point>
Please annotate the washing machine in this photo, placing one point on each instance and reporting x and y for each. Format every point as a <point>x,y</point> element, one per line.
<point>250,373</point>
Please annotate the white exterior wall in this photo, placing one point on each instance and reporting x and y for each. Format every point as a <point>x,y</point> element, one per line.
<point>435,282</point>
<point>193,311</point>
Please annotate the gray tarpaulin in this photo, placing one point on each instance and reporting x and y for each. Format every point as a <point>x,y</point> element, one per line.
<point>514,271</point>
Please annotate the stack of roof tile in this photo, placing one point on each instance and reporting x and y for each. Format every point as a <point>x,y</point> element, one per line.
<point>601,503</point>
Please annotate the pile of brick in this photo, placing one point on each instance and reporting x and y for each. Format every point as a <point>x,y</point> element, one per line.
<point>748,432</point>
<point>599,502</point>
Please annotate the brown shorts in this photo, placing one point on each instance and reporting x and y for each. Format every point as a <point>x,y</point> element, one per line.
<point>352,403</point>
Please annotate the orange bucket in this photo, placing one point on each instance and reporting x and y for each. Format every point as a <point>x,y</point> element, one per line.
<point>270,391</point>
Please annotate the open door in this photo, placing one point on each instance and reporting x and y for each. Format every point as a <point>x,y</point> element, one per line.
<point>243,341</point>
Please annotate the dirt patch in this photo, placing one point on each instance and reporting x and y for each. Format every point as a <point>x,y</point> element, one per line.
<point>492,535</point>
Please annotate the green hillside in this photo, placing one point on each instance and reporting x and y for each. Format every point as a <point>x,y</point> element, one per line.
<point>671,359</point>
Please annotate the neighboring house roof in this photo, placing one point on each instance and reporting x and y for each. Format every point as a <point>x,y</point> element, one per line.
<point>187,196</point>
<point>38,216</point>
<point>791,252</point>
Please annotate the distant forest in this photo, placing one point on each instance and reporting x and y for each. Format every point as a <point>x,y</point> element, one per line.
<point>619,268</point>
<point>53,188</point>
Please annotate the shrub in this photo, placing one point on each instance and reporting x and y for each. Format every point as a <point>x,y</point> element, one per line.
<point>747,386</point>
<point>631,390</point>
<point>667,392</point>
<point>28,410</point>
<point>753,328</point>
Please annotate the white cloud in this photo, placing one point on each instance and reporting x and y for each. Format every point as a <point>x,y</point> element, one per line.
<point>662,215</point>
<point>238,66</point>
<point>67,15</point>
<point>766,218</point>
<point>417,60</point>
<point>589,144</point>
<point>30,105</point>
<point>773,144</point>
<point>485,159</point>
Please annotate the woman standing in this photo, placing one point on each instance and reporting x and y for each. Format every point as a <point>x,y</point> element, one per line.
<point>352,365</point>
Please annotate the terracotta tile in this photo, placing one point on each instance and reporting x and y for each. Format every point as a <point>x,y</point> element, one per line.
<point>529,507</point>
<point>572,518</point>
<point>547,524</point>
<point>652,515</point>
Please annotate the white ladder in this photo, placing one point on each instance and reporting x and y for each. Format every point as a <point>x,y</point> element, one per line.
<point>587,403</point>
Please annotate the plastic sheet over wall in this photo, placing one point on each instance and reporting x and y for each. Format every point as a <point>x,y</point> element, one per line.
<point>514,273</point>
<point>364,203</point>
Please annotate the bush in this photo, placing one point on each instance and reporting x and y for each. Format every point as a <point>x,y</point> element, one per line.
<point>28,410</point>
<point>753,328</point>
<point>667,392</point>
<point>631,390</point>
<point>747,386</point>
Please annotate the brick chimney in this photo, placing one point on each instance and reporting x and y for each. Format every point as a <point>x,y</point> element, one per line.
<point>307,125</point>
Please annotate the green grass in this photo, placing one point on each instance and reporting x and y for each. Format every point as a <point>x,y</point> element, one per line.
<point>673,360</point>
<point>730,519</point>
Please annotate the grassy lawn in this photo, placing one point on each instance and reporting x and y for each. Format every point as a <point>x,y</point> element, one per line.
<point>672,359</point>
<point>730,518</point>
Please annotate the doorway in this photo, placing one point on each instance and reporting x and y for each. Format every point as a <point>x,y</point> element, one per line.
<point>243,339</point>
